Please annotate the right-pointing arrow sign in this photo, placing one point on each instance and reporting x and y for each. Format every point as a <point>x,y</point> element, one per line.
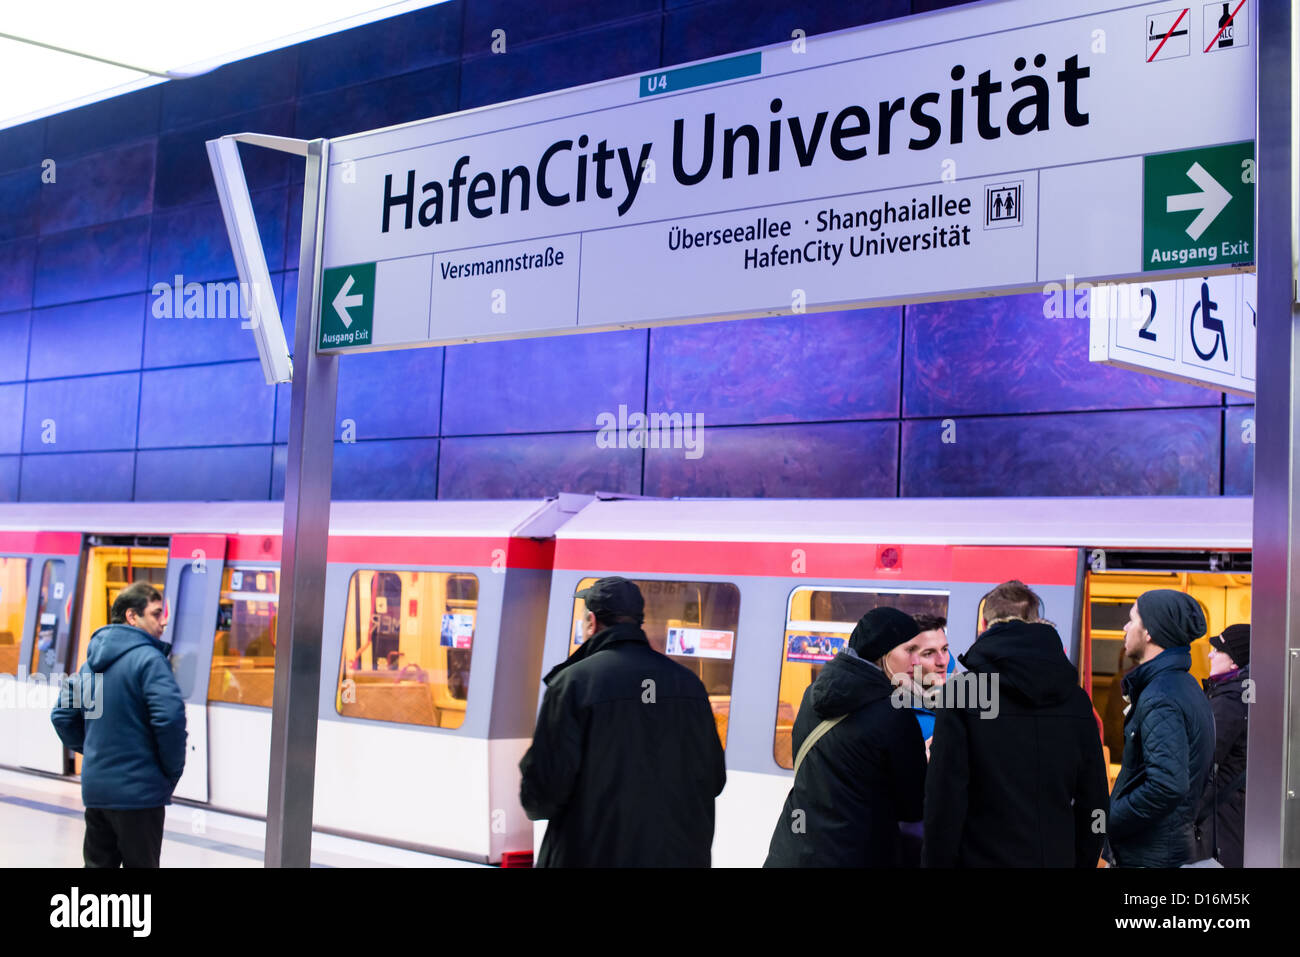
<point>1210,200</point>
<point>343,302</point>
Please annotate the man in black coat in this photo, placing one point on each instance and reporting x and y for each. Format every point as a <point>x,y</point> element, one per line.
<point>864,774</point>
<point>1021,783</point>
<point>1221,817</point>
<point>625,762</point>
<point>1168,736</point>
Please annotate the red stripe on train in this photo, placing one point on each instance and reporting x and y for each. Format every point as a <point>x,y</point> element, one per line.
<point>406,550</point>
<point>938,563</point>
<point>41,543</point>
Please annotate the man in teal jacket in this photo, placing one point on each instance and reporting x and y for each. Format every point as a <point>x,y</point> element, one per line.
<point>127,717</point>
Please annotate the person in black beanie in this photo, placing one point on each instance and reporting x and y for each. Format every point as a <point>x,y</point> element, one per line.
<point>1168,736</point>
<point>1221,818</point>
<point>859,761</point>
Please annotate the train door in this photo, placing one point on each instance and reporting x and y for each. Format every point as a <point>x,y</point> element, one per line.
<point>110,564</point>
<point>194,574</point>
<point>15,583</point>
<point>48,644</point>
<point>1219,582</point>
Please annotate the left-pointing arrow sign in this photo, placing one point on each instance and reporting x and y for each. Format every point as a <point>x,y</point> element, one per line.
<point>343,302</point>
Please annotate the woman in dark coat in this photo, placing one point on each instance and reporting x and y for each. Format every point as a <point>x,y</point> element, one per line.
<point>1221,817</point>
<point>867,772</point>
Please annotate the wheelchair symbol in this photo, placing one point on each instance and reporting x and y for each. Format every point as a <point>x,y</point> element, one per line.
<point>1210,323</point>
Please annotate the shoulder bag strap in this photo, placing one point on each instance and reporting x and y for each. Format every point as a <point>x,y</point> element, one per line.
<point>812,739</point>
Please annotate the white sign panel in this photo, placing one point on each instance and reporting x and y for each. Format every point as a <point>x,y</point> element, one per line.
<point>1199,330</point>
<point>970,151</point>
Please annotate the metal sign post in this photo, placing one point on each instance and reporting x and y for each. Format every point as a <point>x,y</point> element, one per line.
<point>1272,825</point>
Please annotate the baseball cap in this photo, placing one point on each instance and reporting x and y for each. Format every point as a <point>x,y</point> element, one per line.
<point>614,597</point>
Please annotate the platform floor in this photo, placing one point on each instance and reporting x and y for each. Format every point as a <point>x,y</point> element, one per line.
<point>42,825</point>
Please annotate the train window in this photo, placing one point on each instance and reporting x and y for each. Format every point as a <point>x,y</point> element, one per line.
<point>13,607</point>
<point>407,642</point>
<point>694,623</point>
<point>243,652</point>
<point>817,627</point>
<point>1110,615</point>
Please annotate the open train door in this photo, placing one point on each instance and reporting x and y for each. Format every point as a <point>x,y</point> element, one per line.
<point>47,647</point>
<point>194,570</point>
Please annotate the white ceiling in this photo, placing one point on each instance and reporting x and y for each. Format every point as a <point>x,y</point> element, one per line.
<point>109,47</point>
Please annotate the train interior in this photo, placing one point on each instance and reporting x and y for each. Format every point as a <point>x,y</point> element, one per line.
<point>1224,598</point>
<point>408,638</point>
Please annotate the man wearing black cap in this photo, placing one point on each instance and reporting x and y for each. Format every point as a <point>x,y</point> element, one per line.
<point>1168,736</point>
<point>625,761</point>
<point>859,761</point>
<point>1221,818</point>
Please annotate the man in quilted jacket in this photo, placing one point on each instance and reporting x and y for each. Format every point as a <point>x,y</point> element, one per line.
<point>1168,736</point>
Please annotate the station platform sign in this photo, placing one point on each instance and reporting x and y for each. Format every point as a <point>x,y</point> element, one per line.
<point>974,151</point>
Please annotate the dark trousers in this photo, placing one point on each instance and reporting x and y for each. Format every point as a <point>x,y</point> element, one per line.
<point>123,838</point>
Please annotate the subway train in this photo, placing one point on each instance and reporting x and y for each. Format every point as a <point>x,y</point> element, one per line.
<point>440,618</point>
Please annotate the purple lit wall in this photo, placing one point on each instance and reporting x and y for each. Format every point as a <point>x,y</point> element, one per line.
<point>102,400</point>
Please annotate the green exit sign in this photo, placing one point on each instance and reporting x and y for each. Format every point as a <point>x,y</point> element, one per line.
<point>1199,207</point>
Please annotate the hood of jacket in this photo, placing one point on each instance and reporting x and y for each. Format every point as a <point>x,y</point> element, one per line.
<point>1028,659</point>
<point>598,642</point>
<point>847,684</point>
<point>113,641</point>
<point>1171,659</point>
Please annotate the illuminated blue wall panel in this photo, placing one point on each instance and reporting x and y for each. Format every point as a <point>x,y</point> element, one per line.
<point>82,338</point>
<point>542,385</point>
<point>224,404</point>
<point>1239,450</point>
<point>377,50</point>
<point>16,261</point>
<point>99,188</point>
<point>181,340</point>
<point>629,47</point>
<point>82,415</point>
<point>237,473</point>
<point>402,469</point>
<point>697,30</point>
<point>837,365</point>
<point>390,394</point>
<point>1173,452</point>
<point>15,328</point>
<point>193,242</point>
<point>109,123</point>
<point>382,103</point>
<point>84,477</point>
<point>22,146</point>
<point>236,88</point>
<point>834,404</point>
<point>185,175</point>
<point>10,469</point>
<point>834,460</point>
<point>91,263</point>
<point>989,356</point>
<point>530,466</point>
<point>11,417</point>
<point>19,202</point>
